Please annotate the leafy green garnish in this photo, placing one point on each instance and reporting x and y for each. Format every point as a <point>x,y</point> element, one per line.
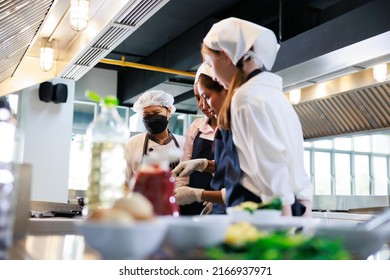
<point>281,246</point>
<point>275,203</point>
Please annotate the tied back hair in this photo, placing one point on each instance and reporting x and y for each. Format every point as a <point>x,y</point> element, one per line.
<point>224,116</point>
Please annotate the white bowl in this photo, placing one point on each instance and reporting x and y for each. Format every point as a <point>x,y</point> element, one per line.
<point>359,241</point>
<point>116,241</point>
<point>238,215</point>
<point>185,232</point>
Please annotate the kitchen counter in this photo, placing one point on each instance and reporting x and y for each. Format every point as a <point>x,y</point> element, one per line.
<point>52,247</point>
<point>341,217</point>
<point>58,239</point>
<point>52,239</point>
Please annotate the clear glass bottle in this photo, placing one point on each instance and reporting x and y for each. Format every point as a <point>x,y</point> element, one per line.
<point>107,136</point>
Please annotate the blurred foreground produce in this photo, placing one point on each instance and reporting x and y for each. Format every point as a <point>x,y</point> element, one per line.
<point>250,206</point>
<point>244,242</point>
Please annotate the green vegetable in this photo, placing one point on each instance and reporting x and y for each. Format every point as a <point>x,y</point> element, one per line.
<point>281,246</point>
<point>250,206</point>
<point>275,203</point>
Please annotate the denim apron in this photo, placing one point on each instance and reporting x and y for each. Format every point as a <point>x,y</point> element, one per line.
<point>228,171</point>
<point>228,174</point>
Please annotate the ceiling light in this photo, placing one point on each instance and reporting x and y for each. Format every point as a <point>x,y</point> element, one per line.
<point>79,13</point>
<point>295,96</point>
<point>46,55</point>
<point>380,72</point>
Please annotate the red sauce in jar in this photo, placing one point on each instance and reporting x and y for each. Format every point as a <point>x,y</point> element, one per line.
<point>158,186</point>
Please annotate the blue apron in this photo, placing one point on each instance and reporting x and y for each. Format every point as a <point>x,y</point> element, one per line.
<point>202,148</point>
<point>228,174</point>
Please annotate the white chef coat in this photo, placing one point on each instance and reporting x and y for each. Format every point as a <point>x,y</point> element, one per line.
<point>268,138</point>
<point>134,151</point>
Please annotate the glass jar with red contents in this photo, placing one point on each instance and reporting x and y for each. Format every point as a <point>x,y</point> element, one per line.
<point>155,181</point>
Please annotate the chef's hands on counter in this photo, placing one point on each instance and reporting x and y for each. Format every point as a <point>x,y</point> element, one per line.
<point>185,168</point>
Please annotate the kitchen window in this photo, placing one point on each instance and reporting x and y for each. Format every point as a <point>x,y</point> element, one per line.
<point>350,165</point>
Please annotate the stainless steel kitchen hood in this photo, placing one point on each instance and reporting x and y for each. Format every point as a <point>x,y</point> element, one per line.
<point>339,94</point>
<point>350,104</point>
<point>358,110</point>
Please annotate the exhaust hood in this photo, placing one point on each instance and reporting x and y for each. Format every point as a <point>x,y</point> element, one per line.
<point>339,94</point>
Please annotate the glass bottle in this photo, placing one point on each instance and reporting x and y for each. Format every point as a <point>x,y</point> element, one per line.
<point>107,135</point>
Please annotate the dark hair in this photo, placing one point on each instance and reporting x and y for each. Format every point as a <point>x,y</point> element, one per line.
<point>209,83</point>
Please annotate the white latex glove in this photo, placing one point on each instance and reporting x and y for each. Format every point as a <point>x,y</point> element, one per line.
<point>187,195</point>
<point>185,168</point>
<point>208,208</point>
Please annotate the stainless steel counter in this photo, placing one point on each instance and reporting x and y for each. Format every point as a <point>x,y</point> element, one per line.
<point>341,217</point>
<point>58,238</point>
<point>52,239</point>
<point>52,247</point>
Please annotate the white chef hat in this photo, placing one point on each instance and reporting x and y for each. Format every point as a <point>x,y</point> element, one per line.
<point>154,98</point>
<point>236,36</point>
<point>203,69</point>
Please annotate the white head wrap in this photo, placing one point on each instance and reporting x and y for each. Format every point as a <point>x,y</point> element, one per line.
<point>203,69</point>
<point>154,98</point>
<point>236,36</point>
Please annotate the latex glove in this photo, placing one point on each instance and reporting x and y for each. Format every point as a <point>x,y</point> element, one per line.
<point>187,195</point>
<point>185,168</point>
<point>208,208</point>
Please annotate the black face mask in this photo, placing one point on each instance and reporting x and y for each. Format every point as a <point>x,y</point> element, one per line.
<point>155,124</point>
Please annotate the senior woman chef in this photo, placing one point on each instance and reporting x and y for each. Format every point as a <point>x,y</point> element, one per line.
<point>263,134</point>
<point>156,108</point>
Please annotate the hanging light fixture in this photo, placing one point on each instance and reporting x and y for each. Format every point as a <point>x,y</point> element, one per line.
<point>46,55</point>
<point>295,96</point>
<point>79,14</point>
<point>380,72</point>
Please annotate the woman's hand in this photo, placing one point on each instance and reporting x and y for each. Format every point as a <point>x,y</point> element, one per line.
<point>187,195</point>
<point>185,168</point>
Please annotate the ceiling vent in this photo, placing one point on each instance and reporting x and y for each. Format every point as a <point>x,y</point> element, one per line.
<point>137,13</point>
<point>20,22</point>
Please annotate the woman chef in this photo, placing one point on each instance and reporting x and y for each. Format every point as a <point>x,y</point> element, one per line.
<point>198,143</point>
<point>156,108</point>
<point>262,137</point>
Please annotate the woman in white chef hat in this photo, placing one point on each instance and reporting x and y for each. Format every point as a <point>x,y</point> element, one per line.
<point>261,134</point>
<point>156,108</point>
<point>199,145</point>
